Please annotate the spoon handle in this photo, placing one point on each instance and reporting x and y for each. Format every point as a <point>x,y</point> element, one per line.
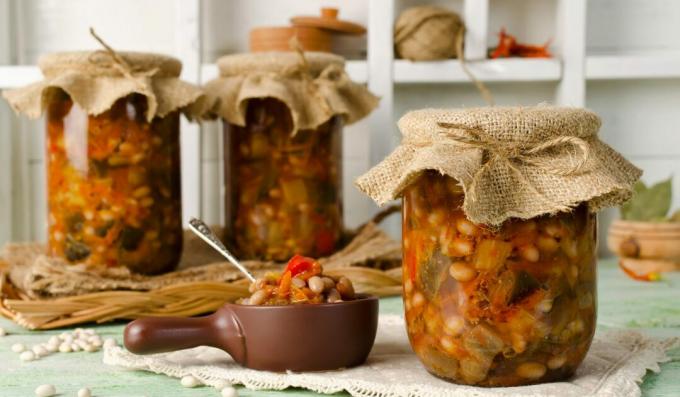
<point>203,231</point>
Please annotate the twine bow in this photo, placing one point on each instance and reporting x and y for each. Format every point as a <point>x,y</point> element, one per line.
<point>509,154</point>
<point>117,62</point>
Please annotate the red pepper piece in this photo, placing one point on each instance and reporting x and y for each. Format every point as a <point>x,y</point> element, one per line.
<point>299,264</point>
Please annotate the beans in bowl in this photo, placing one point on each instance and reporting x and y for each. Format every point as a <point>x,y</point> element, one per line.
<point>301,282</point>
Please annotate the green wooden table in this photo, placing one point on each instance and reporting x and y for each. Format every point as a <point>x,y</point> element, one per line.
<point>653,308</point>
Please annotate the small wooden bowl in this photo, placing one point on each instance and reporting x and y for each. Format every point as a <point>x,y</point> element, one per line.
<point>646,246</point>
<point>277,38</point>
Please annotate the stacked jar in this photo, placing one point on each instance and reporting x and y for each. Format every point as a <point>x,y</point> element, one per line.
<point>499,237</point>
<point>113,156</point>
<point>283,117</point>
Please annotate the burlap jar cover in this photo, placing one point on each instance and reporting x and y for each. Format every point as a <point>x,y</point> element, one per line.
<point>314,86</point>
<point>511,162</point>
<point>96,80</point>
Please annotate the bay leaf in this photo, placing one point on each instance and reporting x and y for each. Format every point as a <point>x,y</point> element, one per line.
<point>650,204</point>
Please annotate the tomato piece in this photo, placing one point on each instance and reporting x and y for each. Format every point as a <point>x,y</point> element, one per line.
<point>299,264</point>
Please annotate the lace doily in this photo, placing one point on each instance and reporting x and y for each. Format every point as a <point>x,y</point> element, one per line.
<point>614,366</point>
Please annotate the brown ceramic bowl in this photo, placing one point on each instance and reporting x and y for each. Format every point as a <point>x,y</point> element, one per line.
<point>310,337</point>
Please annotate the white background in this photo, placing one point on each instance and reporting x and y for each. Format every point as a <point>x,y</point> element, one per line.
<point>620,58</point>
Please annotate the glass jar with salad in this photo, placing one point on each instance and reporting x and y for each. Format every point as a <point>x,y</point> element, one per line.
<point>283,117</point>
<point>113,157</point>
<point>499,238</point>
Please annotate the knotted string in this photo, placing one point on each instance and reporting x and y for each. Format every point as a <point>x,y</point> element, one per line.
<point>117,62</point>
<point>509,154</point>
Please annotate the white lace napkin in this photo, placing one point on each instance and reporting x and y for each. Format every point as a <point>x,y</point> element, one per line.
<point>615,365</point>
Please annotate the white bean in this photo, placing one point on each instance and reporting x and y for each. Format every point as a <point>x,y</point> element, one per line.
<point>466,227</point>
<point>530,370</point>
<point>529,252</point>
<point>221,384</point>
<point>454,324</point>
<point>418,299</point>
<point>84,392</point>
<point>316,284</point>
<point>109,343</point>
<point>40,350</point>
<point>557,361</point>
<point>45,391</point>
<point>333,296</point>
<point>298,282</point>
<point>27,356</point>
<point>75,347</point>
<point>258,297</point>
<point>229,391</point>
<point>54,340</point>
<point>18,347</point>
<point>2,332</point>
<point>51,348</point>
<point>189,381</point>
<point>461,272</point>
<point>65,348</point>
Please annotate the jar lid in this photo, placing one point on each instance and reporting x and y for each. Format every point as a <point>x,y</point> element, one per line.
<point>100,63</point>
<point>314,86</point>
<point>279,62</point>
<point>328,20</point>
<point>512,162</point>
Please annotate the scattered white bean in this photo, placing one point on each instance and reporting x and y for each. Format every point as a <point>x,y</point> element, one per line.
<point>84,392</point>
<point>18,347</point>
<point>40,350</point>
<point>109,343</point>
<point>65,348</point>
<point>54,340</point>
<point>229,391</point>
<point>190,381</point>
<point>221,384</point>
<point>45,391</point>
<point>51,348</point>
<point>75,347</point>
<point>2,332</point>
<point>27,356</point>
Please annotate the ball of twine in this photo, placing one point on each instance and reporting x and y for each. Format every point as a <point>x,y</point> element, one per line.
<point>426,33</point>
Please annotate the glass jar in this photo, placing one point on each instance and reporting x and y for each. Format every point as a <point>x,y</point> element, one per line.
<point>114,185</point>
<point>283,190</point>
<point>504,307</point>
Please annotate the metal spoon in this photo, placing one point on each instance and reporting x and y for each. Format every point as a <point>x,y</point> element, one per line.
<point>203,231</point>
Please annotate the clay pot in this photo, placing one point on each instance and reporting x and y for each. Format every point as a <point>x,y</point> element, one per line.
<point>278,38</point>
<point>314,337</point>
<point>646,246</point>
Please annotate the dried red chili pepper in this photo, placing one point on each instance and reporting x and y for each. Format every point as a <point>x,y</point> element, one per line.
<point>509,47</point>
<point>651,276</point>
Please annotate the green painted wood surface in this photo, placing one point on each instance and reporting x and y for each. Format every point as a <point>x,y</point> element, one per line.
<point>623,303</point>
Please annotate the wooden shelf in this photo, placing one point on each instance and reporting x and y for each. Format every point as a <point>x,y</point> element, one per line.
<point>451,71</point>
<point>357,71</point>
<point>18,76</point>
<point>633,66</point>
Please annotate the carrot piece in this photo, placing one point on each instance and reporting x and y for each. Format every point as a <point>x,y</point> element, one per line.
<point>284,284</point>
<point>651,276</point>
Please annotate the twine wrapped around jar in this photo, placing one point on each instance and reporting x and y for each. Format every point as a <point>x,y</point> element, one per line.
<point>95,80</point>
<point>512,162</point>
<point>427,33</point>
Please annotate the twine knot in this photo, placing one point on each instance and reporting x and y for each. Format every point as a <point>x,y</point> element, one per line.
<point>117,62</point>
<point>527,153</point>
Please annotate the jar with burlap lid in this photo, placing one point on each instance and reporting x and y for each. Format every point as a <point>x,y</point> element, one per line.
<point>499,237</point>
<point>113,157</point>
<point>283,116</point>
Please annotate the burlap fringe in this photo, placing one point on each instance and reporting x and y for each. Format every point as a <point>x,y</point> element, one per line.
<point>39,292</point>
<point>314,87</point>
<point>95,80</point>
